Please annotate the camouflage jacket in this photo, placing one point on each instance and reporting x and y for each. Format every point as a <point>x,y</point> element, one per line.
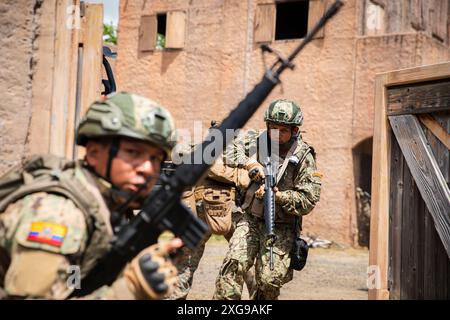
<point>48,243</point>
<point>299,186</point>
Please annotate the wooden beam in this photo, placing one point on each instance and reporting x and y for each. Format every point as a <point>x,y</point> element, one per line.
<point>426,173</point>
<point>436,129</point>
<point>379,217</point>
<point>424,97</point>
<point>92,25</point>
<point>91,66</point>
<point>64,53</point>
<point>72,90</point>
<point>418,74</point>
<point>42,90</point>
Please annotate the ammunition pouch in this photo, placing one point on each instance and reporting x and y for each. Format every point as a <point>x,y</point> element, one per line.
<point>299,251</point>
<point>299,254</point>
<point>218,205</point>
<point>222,174</point>
<point>208,184</point>
<point>251,204</point>
<point>188,197</point>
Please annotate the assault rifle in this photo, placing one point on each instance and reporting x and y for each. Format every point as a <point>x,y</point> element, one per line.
<point>269,208</point>
<point>163,210</point>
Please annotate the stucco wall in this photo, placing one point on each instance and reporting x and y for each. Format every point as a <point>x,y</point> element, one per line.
<point>333,82</point>
<point>18,33</point>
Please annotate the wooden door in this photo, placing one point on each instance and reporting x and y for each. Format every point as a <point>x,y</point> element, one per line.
<point>410,237</point>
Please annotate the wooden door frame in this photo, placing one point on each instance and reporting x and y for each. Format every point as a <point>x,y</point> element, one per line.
<point>379,222</point>
<point>64,84</point>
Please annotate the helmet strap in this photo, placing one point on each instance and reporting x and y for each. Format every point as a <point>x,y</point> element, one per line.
<point>113,151</point>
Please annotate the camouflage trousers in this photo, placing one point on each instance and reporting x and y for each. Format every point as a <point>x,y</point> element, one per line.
<point>187,262</point>
<point>247,245</point>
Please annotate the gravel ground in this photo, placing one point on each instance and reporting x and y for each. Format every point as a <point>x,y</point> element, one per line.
<point>330,274</point>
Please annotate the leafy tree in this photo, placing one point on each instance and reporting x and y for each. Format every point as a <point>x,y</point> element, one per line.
<point>110,33</point>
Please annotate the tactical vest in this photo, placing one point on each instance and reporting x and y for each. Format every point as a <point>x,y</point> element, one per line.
<point>256,206</point>
<point>51,174</point>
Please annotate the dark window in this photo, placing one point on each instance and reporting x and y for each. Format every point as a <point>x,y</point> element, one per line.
<point>161,31</point>
<point>162,18</point>
<point>292,20</point>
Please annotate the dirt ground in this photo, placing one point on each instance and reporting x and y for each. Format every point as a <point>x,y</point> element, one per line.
<point>330,274</point>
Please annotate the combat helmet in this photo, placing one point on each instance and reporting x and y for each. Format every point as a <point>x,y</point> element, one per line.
<point>284,112</point>
<point>128,115</point>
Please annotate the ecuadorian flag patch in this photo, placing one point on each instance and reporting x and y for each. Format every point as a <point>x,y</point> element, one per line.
<point>47,232</point>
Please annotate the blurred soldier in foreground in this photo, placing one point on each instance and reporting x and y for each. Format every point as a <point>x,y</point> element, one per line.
<point>58,217</point>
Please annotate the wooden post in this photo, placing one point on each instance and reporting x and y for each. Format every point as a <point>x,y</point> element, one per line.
<point>379,218</point>
<point>72,88</point>
<point>43,83</point>
<point>55,91</point>
<point>91,42</point>
<point>65,51</point>
<point>92,26</point>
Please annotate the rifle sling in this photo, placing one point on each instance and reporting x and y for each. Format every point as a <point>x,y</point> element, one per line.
<point>294,149</point>
<point>291,151</point>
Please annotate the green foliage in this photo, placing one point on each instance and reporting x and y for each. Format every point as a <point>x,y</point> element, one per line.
<point>110,33</point>
<point>160,41</point>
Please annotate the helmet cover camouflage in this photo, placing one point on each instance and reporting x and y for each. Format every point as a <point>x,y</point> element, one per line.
<point>128,115</point>
<point>284,112</point>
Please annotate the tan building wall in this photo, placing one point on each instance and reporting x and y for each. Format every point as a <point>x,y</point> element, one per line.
<point>333,80</point>
<point>18,33</point>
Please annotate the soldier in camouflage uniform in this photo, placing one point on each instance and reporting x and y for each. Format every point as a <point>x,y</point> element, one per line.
<point>297,192</point>
<point>223,180</point>
<point>65,218</point>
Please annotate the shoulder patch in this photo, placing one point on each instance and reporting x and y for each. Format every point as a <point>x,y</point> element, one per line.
<point>52,223</point>
<point>47,232</point>
<point>317,174</point>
